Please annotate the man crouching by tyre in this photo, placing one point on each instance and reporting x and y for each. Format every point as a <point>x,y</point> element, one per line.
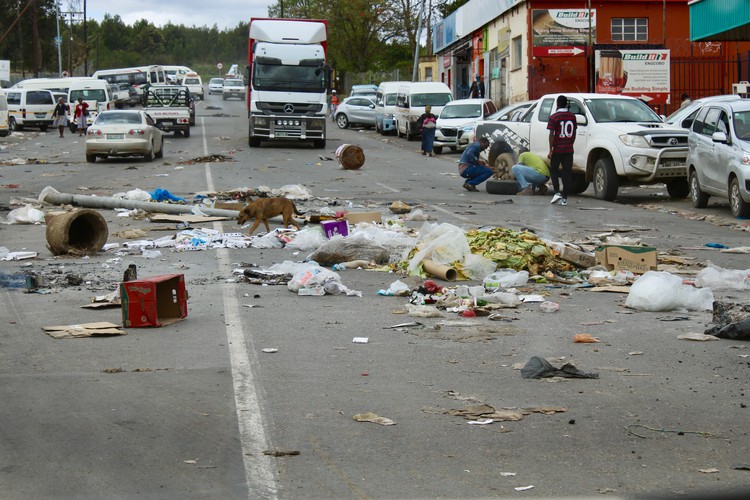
<point>471,168</point>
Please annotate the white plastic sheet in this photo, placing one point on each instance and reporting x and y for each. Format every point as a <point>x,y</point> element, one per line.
<point>663,291</point>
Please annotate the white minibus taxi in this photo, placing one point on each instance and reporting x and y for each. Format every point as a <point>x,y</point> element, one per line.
<point>29,108</point>
<point>411,101</point>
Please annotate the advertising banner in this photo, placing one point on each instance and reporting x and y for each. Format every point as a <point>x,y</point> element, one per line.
<point>643,74</point>
<point>5,71</point>
<point>562,32</point>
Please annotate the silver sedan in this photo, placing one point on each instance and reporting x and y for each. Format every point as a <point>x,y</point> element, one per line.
<point>124,133</point>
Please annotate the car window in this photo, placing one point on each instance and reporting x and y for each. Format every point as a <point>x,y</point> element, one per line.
<point>742,125</point>
<point>150,121</point>
<point>575,107</point>
<point>462,111</point>
<point>546,110</point>
<point>697,125</point>
<point>711,122</point>
<point>14,98</point>
<point>118,118</point>
<point>38,97</point>
<point>723,124</point>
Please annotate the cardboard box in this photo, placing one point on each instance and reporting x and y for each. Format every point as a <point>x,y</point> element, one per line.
<point>577,257</point>
<point>629,258</point>
<point>155,301</point>
<point>355,217</point>
<point>335,227</point>
<point>229,205</point>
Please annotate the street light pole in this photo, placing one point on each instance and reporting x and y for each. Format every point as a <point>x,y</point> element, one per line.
<point>415,70</point>
<point>58,40</point>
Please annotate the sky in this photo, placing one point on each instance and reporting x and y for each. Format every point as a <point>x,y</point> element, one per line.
<point>224,13</point>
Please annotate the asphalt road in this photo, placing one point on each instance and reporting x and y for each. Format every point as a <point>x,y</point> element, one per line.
<point>188,410</point>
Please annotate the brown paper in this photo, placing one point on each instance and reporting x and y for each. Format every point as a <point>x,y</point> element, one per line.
<point>441,271</point>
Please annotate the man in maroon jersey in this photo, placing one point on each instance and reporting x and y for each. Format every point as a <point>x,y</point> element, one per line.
<point>562,128</point>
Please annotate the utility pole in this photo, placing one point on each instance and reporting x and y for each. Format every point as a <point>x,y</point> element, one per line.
<point>415,70</point>
<point>70,13</point>
<point>58,39</point>
<point>85,43</point>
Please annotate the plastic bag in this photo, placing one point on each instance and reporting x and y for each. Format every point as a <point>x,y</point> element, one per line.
<point>718,278</point>
<point>137,195</point>
<point>505,278</point>
<point>25,215</point>
<point>307,239</point>
<point>476,266</point>
<point>160,194</point>
<point>419,311</point>
<point>313,277</point>
<point>443,244</point>
<point>663,291</point>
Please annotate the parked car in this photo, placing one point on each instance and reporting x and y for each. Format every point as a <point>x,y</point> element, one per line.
<point>357,110</point>
<point>124,133</point>
<point>455,125</point>
<point>718,162</point>
<point>215,85</point>
<point>684,117</point>
<point>233,87</point>
<point>511,112</point>
<point>364,90</point>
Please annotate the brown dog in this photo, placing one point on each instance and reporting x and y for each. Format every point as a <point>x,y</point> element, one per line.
<point>263,209</point>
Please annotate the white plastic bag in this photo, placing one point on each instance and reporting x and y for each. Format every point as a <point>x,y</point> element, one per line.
<point>442,243</point>
<point>476,266</point>
<point>505,278</point>
<point>307,239</point>
<point>663,291</point>
<point>25,215</point>
<point>718,278</point>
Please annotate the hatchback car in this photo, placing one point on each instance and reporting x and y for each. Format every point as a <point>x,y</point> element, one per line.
<point>215,85</point>
<point>455,125</point>
<point>124,133</point>
<point>718,162</point>
<point>684,116</point>
<point>356,111</point>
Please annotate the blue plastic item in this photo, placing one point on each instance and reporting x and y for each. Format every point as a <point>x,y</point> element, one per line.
<point>715,245</point>
<point>160,194</point>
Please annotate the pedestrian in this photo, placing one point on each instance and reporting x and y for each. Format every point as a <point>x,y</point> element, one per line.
<point>471,168</point>
<point>427,122</point>
<point>474,89</point>
<point>531,173</point>
<point>480,86</point>
<point>685,100</point>
<point>80,114</point>
<point>562,128</point>
<point>60,116</point>
<point>333,103</point>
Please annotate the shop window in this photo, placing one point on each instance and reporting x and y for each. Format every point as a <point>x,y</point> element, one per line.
<point>517,54</point>
<point>630,29</point>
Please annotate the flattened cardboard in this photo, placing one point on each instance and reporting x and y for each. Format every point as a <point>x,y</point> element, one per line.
<point>577,257</point>
<point>635,259</point>
<point>355,217</point>
<point>229,205</point>
<point>82,330</point>
<point>154,301</point>
<point>184,218</point>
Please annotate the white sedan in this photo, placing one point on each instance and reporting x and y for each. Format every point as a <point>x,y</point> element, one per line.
<point>124,133</point>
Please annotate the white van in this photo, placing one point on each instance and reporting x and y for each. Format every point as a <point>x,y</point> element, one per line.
<point>29,108</point>
<point>411,101</point>
<point>385,106</point>
<point>4,128</point>
<point>96,93</point>
<point>194,83</point>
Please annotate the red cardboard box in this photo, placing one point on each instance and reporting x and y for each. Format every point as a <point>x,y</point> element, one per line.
<point>334,227</point>
<point>155,301</point>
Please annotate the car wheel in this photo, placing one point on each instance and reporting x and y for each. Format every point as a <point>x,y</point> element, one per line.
<point>606,182</point>
<point>505,187</point>
<point>398,131</point>
<point>377,128</point>
<point>739,207</point>
<point>224,97</point>
<point>150,155</point>
<point>437,149</point>
<point>697,196</point>
<point>160,153</point>
<point>678,188</point>
<point>91,158</point>
<point>579,184</point>
<point>186,132</point>
<point>12,125</point>
<point>342,121</point>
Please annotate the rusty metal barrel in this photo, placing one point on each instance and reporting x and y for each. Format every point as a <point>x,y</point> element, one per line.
<point>350,157</point>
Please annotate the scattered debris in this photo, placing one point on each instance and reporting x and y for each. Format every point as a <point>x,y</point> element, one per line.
<point>101,328</point>
<point>372,417</point>
<point>281,453</point>
<point>538,367</point>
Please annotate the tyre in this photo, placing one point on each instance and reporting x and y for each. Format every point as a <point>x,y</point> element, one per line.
<point>398,130</point>
<point>503,164</point>
<point>579,184</point>
<point>678,188</point>
<point>319,143</point>
<point>739,207</point>
<point>186,132</point>
<point>223,98</point>
<point>378,129</point>
<point>505,187</point>
<point>697,196</point>
<point>453,149</point>
<point>606,182</point>
<point>342,121</point>
<point>160,153</point>
<point>495,150</point>
<point>91,158</point>
<point>437,149</point>
<point>150,155</point>
<point>13,126</point>
<point>253,142</point>
<point>43,128</point>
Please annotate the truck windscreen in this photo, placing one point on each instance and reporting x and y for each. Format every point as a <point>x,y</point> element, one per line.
<point>277,76</point>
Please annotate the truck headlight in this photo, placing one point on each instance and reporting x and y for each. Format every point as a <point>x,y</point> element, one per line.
<point>635,141</point>
<point>261,121</point>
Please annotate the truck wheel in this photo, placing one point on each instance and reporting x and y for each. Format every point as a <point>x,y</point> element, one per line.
<point>503,164</point>
<point>579,184</point>
<point>186,132</point>
<point>398,131</point>
<point>678,188</point>
<point>253,142</point>
<point>605,179</point>
<point>342,121</point>
<point>697,196</point>
<point>319,143</point>
<point>739,207</point>
<point>501,187</point>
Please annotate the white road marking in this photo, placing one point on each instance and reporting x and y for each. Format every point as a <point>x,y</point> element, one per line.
<point>259,470</point>
<point>388,187</point>
<point>448,212</point>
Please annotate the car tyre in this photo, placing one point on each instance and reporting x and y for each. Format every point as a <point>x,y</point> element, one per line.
<point>437,149</point>
<point>186,132</point>
<point>91,158</point>
<point>150,155</point>
<point>579,184</point>
<point>342,121</point>
<point>13,125</point>
<point>504,187</point>
<point>739,207</point>
<point>160,153</point>
<point>697,196</point>
<point>678,188</point>
<point>606,182</point>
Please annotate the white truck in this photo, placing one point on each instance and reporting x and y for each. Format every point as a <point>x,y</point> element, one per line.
<point>287,80</point>
<point>169,106</point>
<point>620,139</point>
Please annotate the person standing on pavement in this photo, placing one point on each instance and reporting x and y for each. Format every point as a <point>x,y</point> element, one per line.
<point>427,122</point>
<point>531,173</point>
<point>471,168</point>
<point>480,87</point>
<point>80,114</point>
<point>474,89</point>
<point>562,128</point>
<point>60,116</point>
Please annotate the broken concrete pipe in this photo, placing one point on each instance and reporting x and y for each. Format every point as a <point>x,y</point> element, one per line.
<point>350,157</point>
<point>81,232</point>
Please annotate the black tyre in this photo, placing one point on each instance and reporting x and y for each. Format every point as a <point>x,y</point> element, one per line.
<point>253,142</point>
<point>739,207</point>
<point>160,153</point>
<point>437,149</point>
<point>150,155</point>
<point>91,158</point>
<point>186,132</point>
<point>579,184</point>
<point>342,121</point>
<point>13,125</point>
<point>697,196</point>
<point>606,182</point>
<point>678,188</point>
<point>319,143</point>
<point>43,128</point>
<point>398,130</point>
<point>504,187</point>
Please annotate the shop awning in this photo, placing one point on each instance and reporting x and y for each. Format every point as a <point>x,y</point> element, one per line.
<point>719,20</point>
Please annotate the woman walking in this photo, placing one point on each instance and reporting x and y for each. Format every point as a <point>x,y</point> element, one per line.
<point>428,122</point>
<point>60,116</point>
<point>80,114</point>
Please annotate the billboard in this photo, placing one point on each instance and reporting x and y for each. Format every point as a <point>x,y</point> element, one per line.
<point>562,32</point>
<point>643,74</point>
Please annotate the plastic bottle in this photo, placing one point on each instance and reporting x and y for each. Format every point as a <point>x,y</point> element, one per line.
<point>339,267</point>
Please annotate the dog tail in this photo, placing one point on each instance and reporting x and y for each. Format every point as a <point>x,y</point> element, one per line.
<point>297,212</point>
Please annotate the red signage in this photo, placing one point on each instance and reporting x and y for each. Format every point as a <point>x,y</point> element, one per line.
<point>550,51</point>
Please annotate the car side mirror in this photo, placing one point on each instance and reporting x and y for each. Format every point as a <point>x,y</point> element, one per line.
<point>719,137</point>
<point>372,106</point>
<point>686,123</point>
<point>581,120</point>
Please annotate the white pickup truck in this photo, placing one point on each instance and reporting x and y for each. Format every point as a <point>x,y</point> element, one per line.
<point>620,139</point>
<point>169,106</point>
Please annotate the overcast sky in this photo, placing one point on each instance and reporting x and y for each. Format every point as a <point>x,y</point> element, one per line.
<point>223,13</point>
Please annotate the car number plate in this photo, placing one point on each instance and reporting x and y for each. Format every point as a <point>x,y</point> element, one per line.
<point>281,134</point>
<point>115,136</point>
<point>41,115</point>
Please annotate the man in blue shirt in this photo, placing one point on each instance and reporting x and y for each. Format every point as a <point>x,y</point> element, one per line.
<point>471,168</point>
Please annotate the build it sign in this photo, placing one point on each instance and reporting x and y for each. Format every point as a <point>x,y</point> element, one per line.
<point>643,74</point>
<point>562,32</point>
